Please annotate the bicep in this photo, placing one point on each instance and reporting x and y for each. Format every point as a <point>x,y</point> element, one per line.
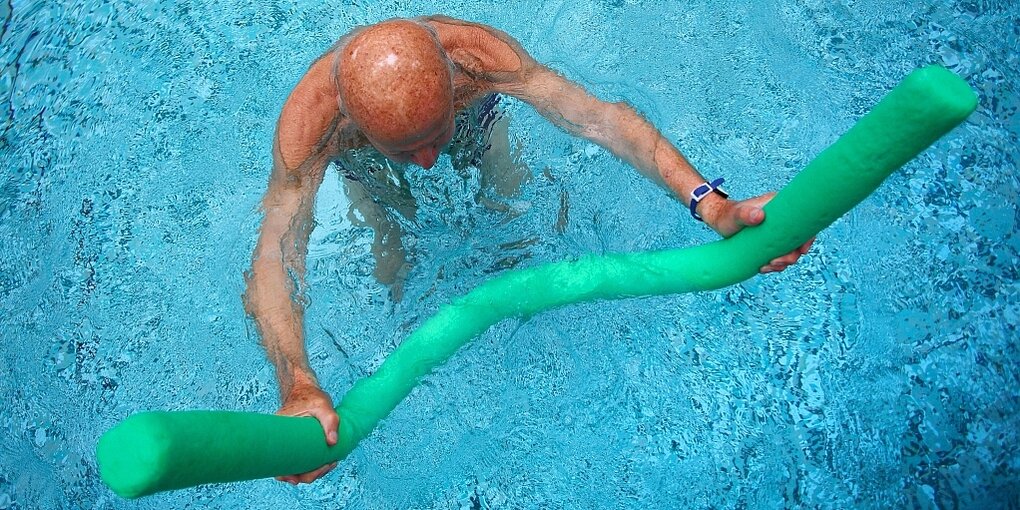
<point>308,118</point>
<point>301,133</point>
<point>565,103</point>
<point>290,195</point>
<point>487,56</point>
<point>497,62</point>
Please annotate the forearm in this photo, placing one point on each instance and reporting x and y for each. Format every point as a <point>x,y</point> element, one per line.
<point>274,294</point>
<point>279,317</point>
<point>621,130</point>
<point>629,136</point>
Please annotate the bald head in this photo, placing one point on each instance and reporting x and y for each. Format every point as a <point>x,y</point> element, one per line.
<point>396,83</point>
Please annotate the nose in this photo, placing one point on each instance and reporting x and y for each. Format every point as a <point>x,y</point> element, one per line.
<point>425,158</point>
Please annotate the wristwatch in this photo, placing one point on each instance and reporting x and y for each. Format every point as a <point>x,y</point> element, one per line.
<point>702,191</point>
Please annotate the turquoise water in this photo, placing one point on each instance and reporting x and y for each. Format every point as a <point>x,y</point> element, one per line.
<point>881,371</point>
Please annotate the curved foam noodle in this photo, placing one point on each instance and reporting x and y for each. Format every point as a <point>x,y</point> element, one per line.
<point>158,451</point>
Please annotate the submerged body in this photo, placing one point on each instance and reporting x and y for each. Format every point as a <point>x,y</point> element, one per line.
<point>156,451</point>
<point>396,87</point>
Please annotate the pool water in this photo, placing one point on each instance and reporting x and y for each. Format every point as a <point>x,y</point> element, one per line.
<point>881,371</point>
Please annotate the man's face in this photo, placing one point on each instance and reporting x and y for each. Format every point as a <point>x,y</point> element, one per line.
<point>421,148</point>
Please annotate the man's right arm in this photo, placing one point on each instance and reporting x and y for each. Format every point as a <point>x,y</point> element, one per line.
<point>274,296</point>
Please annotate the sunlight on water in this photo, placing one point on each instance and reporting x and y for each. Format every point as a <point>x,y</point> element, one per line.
<point>881,371</point>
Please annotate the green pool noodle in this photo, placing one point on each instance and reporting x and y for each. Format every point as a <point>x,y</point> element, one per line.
<point>158,451</point>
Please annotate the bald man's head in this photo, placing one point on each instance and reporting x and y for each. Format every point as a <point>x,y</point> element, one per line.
<point>396,84</point>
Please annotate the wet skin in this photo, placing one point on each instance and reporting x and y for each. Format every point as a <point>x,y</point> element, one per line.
<point>396,85</point>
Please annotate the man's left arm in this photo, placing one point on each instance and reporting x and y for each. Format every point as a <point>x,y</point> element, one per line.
<point>615,126</point>
<point>623,131</point>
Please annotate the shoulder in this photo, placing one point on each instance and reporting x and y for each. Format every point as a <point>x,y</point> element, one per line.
<point>309,116</point>
<point>480,51</point>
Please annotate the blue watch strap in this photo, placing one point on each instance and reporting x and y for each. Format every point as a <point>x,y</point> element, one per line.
<point>702,191</point>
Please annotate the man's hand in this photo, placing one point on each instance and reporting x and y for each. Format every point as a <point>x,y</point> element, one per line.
<point>729,217</point>
<point>306,399</point>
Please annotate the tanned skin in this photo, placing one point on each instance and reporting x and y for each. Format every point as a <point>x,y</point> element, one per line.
<point>396,85</point>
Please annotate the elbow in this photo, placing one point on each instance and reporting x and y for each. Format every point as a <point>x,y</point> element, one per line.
<point>610,125</point>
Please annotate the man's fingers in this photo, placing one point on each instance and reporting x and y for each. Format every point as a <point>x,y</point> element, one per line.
<point>781,263</point>
<point>807,246</point>
<point>785,260</point>
<point>330,422</point>
<point>327,469</point>
<point>308,477</point>
<point>792,257</point>
<point>311,476</point>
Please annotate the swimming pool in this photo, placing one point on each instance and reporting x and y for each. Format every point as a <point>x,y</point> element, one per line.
<point>880,371</point>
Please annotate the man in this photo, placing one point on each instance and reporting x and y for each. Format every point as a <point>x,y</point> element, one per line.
<point>396,87</point>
